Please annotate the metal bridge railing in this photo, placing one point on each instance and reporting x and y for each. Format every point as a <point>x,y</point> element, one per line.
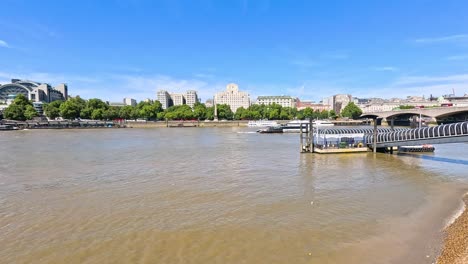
<point>442,131</point>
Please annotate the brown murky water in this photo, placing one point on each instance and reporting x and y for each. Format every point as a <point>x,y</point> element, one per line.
<point>217,196</point>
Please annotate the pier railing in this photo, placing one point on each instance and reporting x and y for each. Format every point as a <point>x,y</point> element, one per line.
<point>450,133</point>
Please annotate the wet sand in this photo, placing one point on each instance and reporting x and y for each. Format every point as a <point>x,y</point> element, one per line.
<point>455,250</point>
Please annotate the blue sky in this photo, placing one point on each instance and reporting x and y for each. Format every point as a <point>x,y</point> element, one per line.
<point>310,49</point>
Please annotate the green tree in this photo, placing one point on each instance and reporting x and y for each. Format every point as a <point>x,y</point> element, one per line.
<point>98,114</point>
<point>210,113</point>
<point>148,110</point>
<point>274,114</point>
<point>308,113</point>
<point>127,112</point>
<point>224,112</point>
<point>52,110</point>
<point>17,109</point>
<point>240,113</point>
<point>199,111</point>
<point>112,113</point>
<point>95,103</point>
<point>71,108</point>
<point>351,111</point>
<point>286,113</point>
<point>86,112</point>
<point>300,114</point>
<point>30,112</point>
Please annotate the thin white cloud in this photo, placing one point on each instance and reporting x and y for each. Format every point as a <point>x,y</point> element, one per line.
<point>386,68</point>
<point>419,85</point>
<point>451,38</point>
<point>457,57</point>
<point>4,44</point>
<point>413,80</point>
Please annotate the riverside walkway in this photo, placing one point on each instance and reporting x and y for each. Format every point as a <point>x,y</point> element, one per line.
<point>450,133</point>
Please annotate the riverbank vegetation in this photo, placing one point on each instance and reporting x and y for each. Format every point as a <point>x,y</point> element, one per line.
<point>78,108</point>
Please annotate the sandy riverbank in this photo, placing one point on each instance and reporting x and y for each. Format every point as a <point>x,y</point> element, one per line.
<point>455,249</point>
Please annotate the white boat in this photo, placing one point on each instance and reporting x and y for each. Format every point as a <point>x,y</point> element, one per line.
<point>294,126</point>
<point>262,123</point>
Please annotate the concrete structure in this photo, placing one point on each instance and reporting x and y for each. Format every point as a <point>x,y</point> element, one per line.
<point>340,101</point>
<point>177,99</point>
<point>34,91</point>
<point>233,97</point>
<point>284,101</point>
<point>451,133</point>
<point>191,98</point>
<point>118,104</point>
<point>129,101</point>
<point>433,113</point>
<point>148,100</point>
<point>308,104</point>
<point>170,99</point>
<point>164,98</point>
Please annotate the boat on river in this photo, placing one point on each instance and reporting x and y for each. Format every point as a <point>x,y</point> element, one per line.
<point>271,130</point>
<point>294,126</point>
<point>262,123</point>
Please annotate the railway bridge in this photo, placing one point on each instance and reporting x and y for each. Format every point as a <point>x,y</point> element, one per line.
<point>436,114</point>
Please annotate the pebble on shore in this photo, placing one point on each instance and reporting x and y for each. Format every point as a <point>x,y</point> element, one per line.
<point>455,250</point>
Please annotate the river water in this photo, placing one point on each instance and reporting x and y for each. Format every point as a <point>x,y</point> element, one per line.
<point>218,195</point>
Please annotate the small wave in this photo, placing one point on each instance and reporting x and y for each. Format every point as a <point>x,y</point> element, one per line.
<point>457,213</point>
<point>246,132</point>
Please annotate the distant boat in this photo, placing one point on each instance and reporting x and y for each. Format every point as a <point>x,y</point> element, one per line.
<point>262,123</point>
<point>271,130</point>
<point>294,126</point>
<point>8,127</point>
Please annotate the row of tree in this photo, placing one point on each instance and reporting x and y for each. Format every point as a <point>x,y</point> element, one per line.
<point>76,107</point>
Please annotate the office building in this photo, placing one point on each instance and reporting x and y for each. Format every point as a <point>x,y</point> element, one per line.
<point>284,101</point>
<point>34,91</point>
<point>164,98</point>
<point>130,101</point>
<point>233,97</point>
<point>191,98</point>
<point>177,99</point>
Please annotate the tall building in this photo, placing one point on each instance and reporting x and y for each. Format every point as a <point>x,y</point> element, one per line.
<point>284,101</point>
<point>233,97</point>
<point>191,98</point>
<point>164,98</point>
<point>177,99</point>
<point>34,91</point>
<point>129,101</point>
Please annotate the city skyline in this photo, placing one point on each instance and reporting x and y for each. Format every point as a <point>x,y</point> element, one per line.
<point>315,50</point>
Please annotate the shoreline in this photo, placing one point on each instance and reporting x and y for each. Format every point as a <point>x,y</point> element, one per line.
<point>455,241</point>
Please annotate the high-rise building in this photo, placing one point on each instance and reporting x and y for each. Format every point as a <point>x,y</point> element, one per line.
<point>177,99</point>
<point>284,101</point>
<point>233,97</point>
<point>129,101</point>
<point>164,98</point>
<point>191,98</point>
